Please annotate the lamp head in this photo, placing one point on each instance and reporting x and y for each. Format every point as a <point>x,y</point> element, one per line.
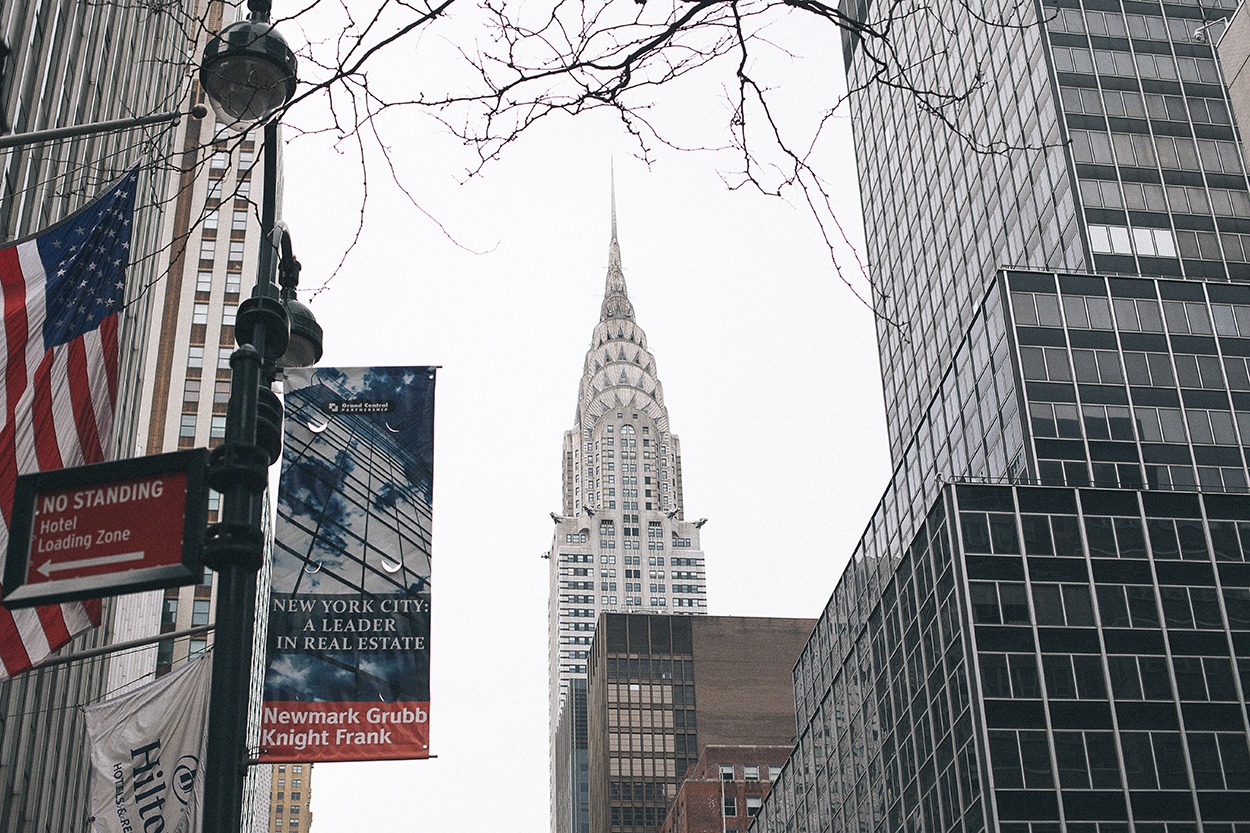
<point>248,72</point>
<point>305,347</point>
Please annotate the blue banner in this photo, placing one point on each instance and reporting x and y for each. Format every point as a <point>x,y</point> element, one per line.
<point>348,655</point>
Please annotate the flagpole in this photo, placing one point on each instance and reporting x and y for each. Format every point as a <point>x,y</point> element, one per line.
<point>18,140</point>
<point>117,647</point>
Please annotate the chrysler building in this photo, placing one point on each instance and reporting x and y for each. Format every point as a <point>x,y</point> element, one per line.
<point>621,543</point>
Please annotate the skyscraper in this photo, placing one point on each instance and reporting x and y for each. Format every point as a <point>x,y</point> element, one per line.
<point>1127,164</point>
<point>210,266</point>
<point>73,63</point>
<point>1069,655</point>
<point>621,488</point>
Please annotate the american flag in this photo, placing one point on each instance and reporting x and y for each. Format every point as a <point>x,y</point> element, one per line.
<point>63,295</point>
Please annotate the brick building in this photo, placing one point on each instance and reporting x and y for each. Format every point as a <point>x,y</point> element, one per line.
<point>663,688</point>
<point>725,789</point>
<point>290,798</point>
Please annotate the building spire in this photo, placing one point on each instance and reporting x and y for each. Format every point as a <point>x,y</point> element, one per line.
<point>615,298</point>
<point>612,181</point>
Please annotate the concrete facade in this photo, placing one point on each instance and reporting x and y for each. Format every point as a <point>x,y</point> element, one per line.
<point>1234,51</point>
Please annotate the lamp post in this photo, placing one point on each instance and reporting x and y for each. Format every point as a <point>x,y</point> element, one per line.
<point>248,74</point>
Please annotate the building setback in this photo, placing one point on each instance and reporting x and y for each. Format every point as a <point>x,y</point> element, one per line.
<point>724,791</point>
<point>663,688</point>
<point>1040,656</point>
<point>621,487</point>
<point>1070,655</point>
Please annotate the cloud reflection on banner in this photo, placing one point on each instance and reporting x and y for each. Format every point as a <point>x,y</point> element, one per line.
<point>348,670</point>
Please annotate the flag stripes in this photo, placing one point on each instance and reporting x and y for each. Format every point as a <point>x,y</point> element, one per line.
<point>62,297</point>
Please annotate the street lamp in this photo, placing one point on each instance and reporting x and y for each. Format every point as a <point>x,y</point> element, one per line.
<point>248,71</point>
<point>248,74</point>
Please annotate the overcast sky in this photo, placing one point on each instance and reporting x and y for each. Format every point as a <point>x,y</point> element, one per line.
<point>769,370</point>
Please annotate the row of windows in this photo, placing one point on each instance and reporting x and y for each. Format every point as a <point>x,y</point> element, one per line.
<point>1121,240</point>
<point>1112,24</point>
<point>216,428</point>
<point>1146,196</point>
<point>1094,312</point>
<point>730,805</point>
<point>1119,606</point>
<point>1180,153</point>
<point>199,611</point>
<point>204,282</point>
<point>1130,104</point>
<point>220,160</point>
<point>1136,65</point>
<point>238,219</point>
<point>1061,420</point>
<point>1051,364</point>
<point>1152,760</point>
<point>240,191</point>
<point>750,772</point>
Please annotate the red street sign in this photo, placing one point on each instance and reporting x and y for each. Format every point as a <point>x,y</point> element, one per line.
<point>107,529</point>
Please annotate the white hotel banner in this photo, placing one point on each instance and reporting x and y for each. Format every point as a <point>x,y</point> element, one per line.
<point>146,749</point>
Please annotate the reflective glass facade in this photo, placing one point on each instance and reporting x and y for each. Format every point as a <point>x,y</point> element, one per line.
<point>1084,136</point>
<point>1043,659</point>
<point>1070,655</point>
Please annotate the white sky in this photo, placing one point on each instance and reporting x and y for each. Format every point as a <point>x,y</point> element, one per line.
<point>769,370</point>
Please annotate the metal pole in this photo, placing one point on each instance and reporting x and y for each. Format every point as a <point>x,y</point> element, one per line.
<point>240,547</point>
<point>116,647</point>
<point>199,111</point>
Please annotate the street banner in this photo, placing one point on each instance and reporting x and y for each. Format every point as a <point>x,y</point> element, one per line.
<point>64,290</point>
<point>348,652</point>
<point>146,749</point>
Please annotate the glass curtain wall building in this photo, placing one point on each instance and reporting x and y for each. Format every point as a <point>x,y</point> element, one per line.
<point>1092,137</point>
<point>1039,660</point>
<point>980,665</point>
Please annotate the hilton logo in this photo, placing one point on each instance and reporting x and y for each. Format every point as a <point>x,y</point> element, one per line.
<point>185,773</point>
<point>359,406</point>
